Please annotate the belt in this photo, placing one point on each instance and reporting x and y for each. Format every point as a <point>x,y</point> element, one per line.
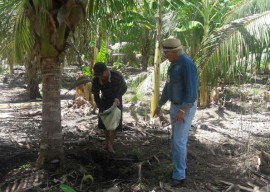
<point>189,105</point>
<point>175,103</point>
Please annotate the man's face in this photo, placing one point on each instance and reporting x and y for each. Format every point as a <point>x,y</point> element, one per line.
<point>171,55</point>
<point>104,76</point>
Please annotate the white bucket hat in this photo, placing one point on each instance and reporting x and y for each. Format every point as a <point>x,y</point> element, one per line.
<point>171,44</point>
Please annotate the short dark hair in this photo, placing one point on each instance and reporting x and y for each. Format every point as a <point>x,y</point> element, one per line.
<point>99,68</point>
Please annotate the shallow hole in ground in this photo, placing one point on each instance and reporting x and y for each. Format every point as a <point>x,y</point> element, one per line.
<point>104,166</point>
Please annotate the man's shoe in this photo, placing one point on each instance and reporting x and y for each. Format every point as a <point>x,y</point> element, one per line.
<point>178,183</point>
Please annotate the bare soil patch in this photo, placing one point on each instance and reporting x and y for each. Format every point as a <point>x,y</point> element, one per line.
<point>222,147</point>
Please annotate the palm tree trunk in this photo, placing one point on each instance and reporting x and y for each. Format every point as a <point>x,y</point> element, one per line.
<point>146,50</point>
<point>203,92</point>
<point>51,144</point>
<point>11,68</point>
<point>32,79</point>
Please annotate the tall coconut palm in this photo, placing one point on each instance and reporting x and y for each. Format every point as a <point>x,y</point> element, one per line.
<point>43,27</point>
<point>51,23</point>
<point>47,28</point>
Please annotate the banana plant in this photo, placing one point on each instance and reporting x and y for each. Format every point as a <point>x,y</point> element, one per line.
<point>156,81</point>
<point>140,30</point>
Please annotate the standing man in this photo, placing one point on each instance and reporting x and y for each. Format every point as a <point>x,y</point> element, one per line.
<point>181,90</point>
<point>108,87</point>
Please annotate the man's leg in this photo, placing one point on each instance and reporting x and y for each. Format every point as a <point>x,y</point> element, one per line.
<point>180,132</point>
<point>112,137</point>
<point>109,138</point>
<point>179,149</point>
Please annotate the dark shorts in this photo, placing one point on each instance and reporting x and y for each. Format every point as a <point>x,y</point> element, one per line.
<point>107,104</point>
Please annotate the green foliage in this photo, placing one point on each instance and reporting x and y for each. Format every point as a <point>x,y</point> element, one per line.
<point>88,178</point>
<point>255,92</point>
<point>86,71</point>
<point>242,8</point>
<point>66,188</point>
<point>129,54</point>
<point>167,171</point>
<point>137,97</point>
<point>102,55</point>
<point>137,81</point>
<point>25,166</point>
<point>118,65</point>
<point>268,84</point>
<point>243,93</point>
<point>136,150</point>
<point>136,94</point>
<point>188,26</point>
<point>3,71</point>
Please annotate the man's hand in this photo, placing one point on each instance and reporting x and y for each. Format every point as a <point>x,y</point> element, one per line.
<point>117,102</point>
<point>180,116</point>
<point>100,110</point>
<point>157,111</point>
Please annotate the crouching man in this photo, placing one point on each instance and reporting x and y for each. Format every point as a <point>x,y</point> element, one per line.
<point>108,87</point>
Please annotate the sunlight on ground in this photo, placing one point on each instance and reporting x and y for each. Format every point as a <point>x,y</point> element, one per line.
<point>5,115</point>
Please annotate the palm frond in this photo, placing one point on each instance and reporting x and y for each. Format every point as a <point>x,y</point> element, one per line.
<point>7,51</point>
<point>233,47</point>
<point>22,36</point>
<point>247,7</point>
<point>14,30</point>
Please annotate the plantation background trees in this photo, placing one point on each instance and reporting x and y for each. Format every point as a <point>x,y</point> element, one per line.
<point>222,37</point>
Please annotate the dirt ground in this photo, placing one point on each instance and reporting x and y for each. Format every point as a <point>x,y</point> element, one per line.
<point>222,152</point>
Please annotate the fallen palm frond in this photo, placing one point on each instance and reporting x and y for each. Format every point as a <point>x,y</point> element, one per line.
<point>261,175</point>
<point>20,105</point>
<point>232,186</point>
